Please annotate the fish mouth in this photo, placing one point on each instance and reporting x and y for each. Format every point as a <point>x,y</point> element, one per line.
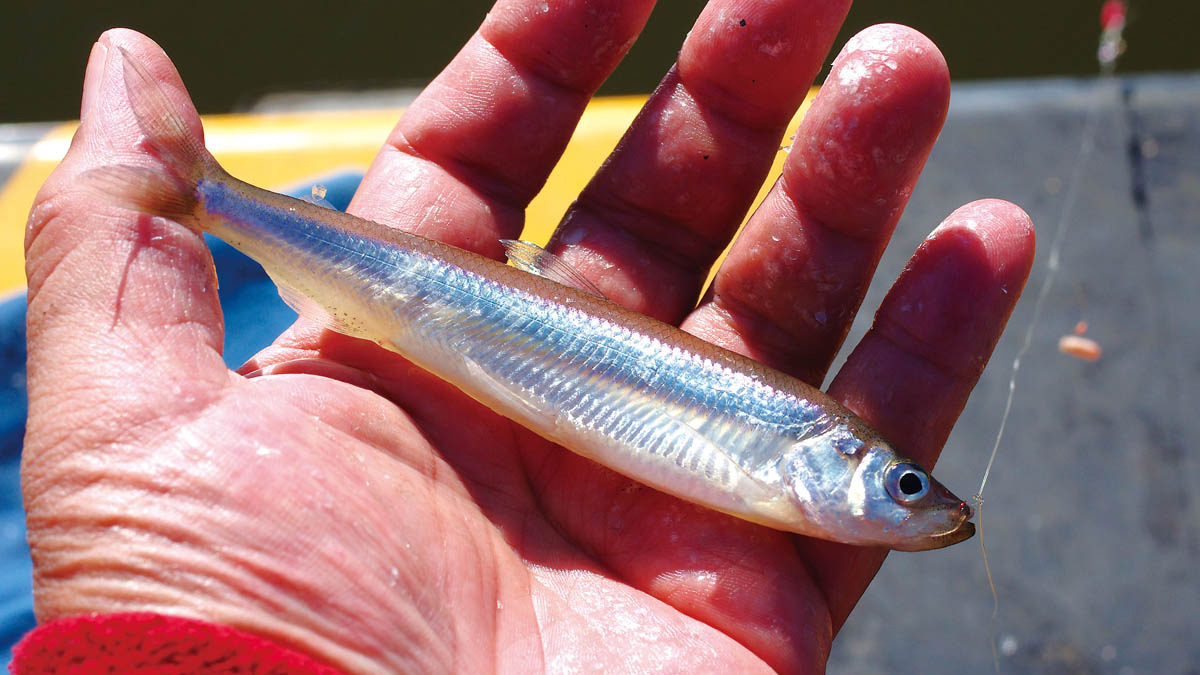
<point>961,532</point>
<point>964,531</point>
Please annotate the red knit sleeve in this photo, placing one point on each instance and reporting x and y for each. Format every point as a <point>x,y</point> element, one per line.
<point>153,644</point>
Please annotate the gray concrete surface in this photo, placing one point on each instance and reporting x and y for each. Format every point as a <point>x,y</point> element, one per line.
<point>1091,517</point>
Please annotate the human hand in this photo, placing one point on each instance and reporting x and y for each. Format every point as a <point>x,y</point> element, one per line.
<point>334,498</point>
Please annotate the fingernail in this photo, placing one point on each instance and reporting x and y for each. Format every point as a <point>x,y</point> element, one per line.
<point>93,78</point>
<point>260,372</point>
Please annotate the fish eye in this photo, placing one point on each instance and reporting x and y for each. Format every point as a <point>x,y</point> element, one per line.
<point>907,483</point>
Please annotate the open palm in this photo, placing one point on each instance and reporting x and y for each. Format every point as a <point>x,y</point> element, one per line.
<point>334,498</point>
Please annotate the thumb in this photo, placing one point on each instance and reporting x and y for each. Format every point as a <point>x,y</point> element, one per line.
<point>124,325</point>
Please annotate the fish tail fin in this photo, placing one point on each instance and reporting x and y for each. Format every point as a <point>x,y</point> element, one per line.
<point>170,193</point>
<point>162,123</point>
<point>144,190</point>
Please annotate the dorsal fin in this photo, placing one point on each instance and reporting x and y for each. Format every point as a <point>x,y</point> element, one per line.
<point>529,257</point>
<point>317,196</point>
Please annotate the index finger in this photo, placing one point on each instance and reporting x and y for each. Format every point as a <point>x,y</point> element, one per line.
<point>478,143</point>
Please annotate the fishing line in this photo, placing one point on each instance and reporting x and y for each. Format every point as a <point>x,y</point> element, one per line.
<point>1112,21</point>
<point>1052,266</point>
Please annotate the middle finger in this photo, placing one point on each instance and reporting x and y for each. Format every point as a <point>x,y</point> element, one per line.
<point>792,283</point>
<point>654,218</point>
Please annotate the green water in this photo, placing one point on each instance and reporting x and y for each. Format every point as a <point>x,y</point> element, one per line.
<point>232,52</point>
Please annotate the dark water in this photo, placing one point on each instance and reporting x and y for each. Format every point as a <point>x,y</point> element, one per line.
<point>232,52</point>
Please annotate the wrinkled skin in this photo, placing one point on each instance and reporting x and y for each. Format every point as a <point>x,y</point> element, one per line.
<point>333,498</point>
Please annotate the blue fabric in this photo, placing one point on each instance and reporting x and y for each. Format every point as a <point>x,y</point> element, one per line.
<point>254,317</point>
<point>16,595</point>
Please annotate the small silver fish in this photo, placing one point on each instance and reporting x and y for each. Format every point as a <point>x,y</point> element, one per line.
<point>637,395</point>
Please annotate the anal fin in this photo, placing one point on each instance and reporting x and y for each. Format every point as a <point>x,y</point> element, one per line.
<point>313,311</point>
